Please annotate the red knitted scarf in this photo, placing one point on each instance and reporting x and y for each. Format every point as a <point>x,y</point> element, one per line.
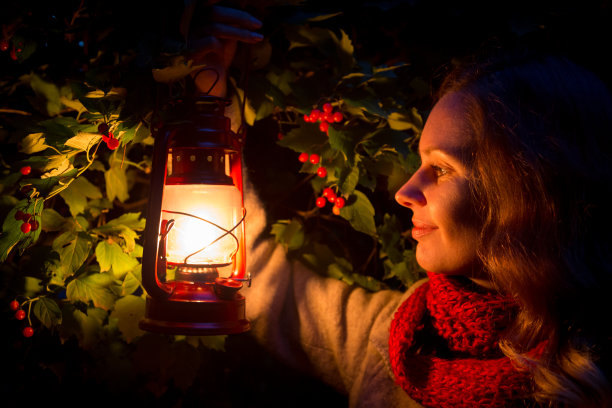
<point>444,351</point>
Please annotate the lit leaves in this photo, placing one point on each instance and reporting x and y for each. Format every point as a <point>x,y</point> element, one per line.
<point>116,182</point>
<point>11,228</point>
<point>111,256</point>
<point>125,227</point>
<point>73,248</point>
<point>78,192</point>
<point>119,250</point>
<point>128,311</point>
<point>95,288</point>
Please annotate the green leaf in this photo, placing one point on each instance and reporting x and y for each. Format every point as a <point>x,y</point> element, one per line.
<point>73,248</point>
<point>93,288</point>
<point>322,17</point>
<point>368,282</point>
<point>406,121</point>
<point>11,228</point>
<point>306,138</point>
<point>83,141</point>
<point>345,141</point>
<point>111,257</point>
<point>366,103</point>
<point>129,310</point>
<point>51,220</point>
<point>385,138</point>
<point>132,281</point>
<point>349,179</point>
<point>408,271</point>
<point>85,326</point>
<point>124,227</point>
<point>49,92</point>
<point>360,213</point>
<point>32,286</point>
<point>47,311</point>
<point>33,143</point>
<point>321,257</point>
<point>116,182</point>
<point>129,220</point>
<point>341,269</point>
<point>390,238</point>
<point>78,192</point>
<point>289,233</point>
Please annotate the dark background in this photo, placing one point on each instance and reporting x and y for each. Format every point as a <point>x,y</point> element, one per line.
<point>426,34</point>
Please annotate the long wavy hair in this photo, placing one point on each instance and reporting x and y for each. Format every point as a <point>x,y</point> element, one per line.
<point>542,160</point>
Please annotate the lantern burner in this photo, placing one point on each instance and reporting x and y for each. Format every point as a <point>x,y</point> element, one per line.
<point>196,273</point>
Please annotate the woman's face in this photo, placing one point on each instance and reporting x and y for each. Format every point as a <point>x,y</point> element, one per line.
<point>445,224</point>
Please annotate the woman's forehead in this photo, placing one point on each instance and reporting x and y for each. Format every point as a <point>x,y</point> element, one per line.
<point>447,128</point>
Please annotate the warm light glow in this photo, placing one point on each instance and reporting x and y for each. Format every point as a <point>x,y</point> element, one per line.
<point>209,239</point>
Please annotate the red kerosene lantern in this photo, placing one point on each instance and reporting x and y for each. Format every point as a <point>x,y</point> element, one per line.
<point>194,253</point>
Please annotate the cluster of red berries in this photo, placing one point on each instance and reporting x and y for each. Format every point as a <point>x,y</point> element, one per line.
<point>20,314</point>
<point>4,46</point>
<point>329,195</point>
<point>29,221</point>
<point>314,159</point>
<point>324,117</point>
<point>107,136</point>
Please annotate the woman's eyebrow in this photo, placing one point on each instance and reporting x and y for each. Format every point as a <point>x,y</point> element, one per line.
<point>451,152</point>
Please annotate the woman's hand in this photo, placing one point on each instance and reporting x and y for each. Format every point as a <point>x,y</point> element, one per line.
<point>212,33</point>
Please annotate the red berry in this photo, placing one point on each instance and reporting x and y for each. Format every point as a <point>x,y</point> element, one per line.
<point>321,202</point>
<point>4,44</point>
<point>336,210</point>
<point>340,202</point>
<point>332,198</point>
<point>20,315</point>
<point>110,140</point>
<point>280,136</point>
<point>28,332</point>
<point>314,158</point>
<point>14,305</point>
<point>328,191</point>
<point>25,170</point>
<point>328,107</point>
<point>315,115</point>
<point>13,55</point>
<point>34,224</point>
<point>307,119</point>
<point>323,126</point>
<point>20,215</point>
<point>303,157</point>
<point>26,227</point>
<point>321,172</point>
<point>338,116</point>
<point>103,128</point>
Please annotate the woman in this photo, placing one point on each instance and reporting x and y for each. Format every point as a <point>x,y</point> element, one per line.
<point>510,193</point>
<point>509,216</point>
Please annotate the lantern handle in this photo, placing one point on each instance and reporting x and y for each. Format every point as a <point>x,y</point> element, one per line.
<point>153,260</point>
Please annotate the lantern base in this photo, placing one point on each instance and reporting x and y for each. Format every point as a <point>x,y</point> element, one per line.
<point>196,318</point>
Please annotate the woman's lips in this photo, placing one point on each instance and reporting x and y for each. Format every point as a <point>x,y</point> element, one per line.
<point>421,229</point>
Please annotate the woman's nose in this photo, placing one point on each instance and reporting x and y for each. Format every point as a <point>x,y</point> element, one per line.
<point>411,194</point>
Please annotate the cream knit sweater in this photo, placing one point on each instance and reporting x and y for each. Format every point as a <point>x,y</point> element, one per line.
<point>337,332</point>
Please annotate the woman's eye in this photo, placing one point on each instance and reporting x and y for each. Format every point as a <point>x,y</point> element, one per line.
<point>439,171</point>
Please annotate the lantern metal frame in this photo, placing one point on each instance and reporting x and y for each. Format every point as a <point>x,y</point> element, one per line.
<point>210,305</point>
